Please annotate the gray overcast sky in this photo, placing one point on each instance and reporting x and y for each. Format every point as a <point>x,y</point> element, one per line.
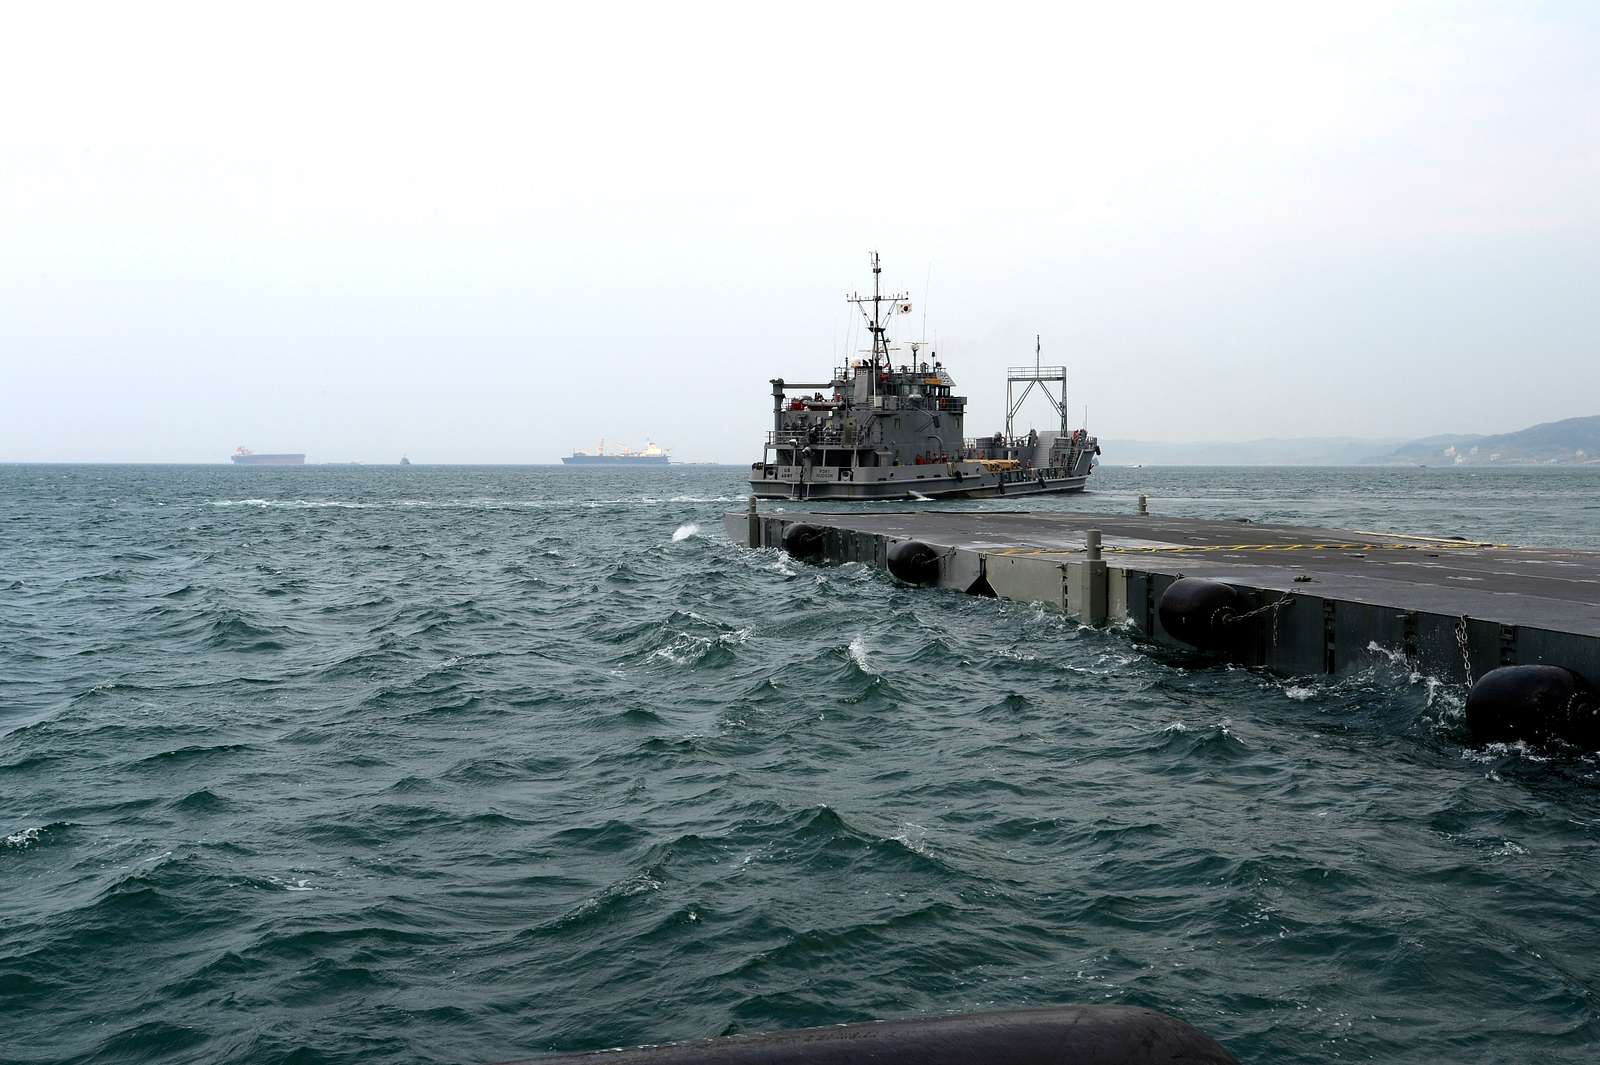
<point>474,232</point>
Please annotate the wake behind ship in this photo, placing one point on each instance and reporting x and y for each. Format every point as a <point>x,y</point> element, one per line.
<point>650,456</point>
<point>243,456</point>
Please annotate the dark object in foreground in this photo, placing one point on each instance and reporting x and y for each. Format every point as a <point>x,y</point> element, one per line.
<point>1536,703</point>
<point>1065,1035</point>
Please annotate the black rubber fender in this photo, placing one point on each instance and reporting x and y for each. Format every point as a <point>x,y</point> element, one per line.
<point>913,562</point>
<point>1535,703</point>
<point>805,542</point>
<point>1063,1035</point>
<point>1203,614</point>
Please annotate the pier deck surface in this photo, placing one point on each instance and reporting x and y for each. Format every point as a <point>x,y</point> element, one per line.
<point>1547,588</point>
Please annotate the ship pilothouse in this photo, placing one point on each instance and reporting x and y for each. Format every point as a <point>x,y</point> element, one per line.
<point>878,430</point>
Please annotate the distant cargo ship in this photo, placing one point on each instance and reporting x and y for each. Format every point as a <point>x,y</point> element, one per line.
<point>650,456</point>
<point>243,456</point>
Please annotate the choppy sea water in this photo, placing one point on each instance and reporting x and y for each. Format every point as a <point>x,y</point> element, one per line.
<point>466,764</point>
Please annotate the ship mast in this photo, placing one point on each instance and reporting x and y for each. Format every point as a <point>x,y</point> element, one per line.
<point>1035,375</point>
<point>877,322</point>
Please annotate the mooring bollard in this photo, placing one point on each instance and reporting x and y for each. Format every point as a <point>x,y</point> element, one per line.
<point>1086,582</point>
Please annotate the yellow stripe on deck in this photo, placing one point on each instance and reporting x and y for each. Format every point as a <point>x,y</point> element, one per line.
<point>1196,549</point>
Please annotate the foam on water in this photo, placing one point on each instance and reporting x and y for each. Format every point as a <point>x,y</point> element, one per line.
<point>858,652</point>
<point>443,765</point>
<point>290,883</point>
<point>21,839</point>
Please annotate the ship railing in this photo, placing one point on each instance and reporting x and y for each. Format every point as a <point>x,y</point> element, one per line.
<point>800,438</point>
<point>1033,473</point>
<point>1036,373</point>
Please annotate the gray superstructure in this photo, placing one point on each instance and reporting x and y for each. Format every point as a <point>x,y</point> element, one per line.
<point>878,430</point>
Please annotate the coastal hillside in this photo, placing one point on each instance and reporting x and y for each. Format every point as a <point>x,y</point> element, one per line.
<point>1569,442</point>
<point>1305,451</point>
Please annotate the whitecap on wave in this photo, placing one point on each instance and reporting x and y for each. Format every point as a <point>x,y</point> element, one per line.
<point>1494,752</point>
<point>291,883</point>
<point>21,839</point>
<point>687,648</point>
<point>913,836</point>
<point>316,504</point>
<point>480,503</point>
<point>858,653</point>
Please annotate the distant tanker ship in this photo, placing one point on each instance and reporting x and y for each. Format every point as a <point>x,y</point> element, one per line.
<point>650,456</point>
<point>243,456</point>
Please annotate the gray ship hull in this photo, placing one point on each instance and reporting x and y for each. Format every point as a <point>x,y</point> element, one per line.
<point>960,480</point>
<point>295,459</point>
<point>614,460</point>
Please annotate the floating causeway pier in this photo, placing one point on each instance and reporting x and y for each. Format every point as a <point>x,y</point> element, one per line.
<point>1304,600</point>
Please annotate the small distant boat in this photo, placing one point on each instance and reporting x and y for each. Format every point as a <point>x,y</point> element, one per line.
<point>404,461</point>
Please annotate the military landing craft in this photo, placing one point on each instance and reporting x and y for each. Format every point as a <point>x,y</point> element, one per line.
<point>882,431</point>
